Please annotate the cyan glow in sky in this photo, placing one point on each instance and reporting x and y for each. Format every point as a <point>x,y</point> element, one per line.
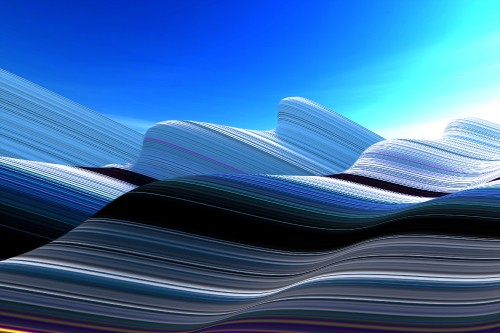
<point>401,68</point>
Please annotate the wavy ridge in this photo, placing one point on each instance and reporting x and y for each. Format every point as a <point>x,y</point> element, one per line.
<point>302,144</point>
<point>302,212</point>
<point>209,254</point>
<point>143,279</point>
<point>37,124</point>
<point>401,235</point>
<point>41,201</point>
<point>466,156</point>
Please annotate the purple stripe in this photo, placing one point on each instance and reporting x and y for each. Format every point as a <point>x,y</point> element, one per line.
<point>194,153</point>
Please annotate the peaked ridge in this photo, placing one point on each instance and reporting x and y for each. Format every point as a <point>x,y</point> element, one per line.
<point>467,155</point>
<point>309,140</point>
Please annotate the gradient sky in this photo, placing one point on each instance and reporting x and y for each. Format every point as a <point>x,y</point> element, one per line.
<point>401,68</point>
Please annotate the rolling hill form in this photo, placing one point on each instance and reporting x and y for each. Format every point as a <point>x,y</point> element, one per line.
<point>317,226</point>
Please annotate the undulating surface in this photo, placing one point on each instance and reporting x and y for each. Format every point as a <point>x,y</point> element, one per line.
<point>316,226</point>
<point>41,201</point>
<point>301,212</point>
<point>115,276</point>
<point>308,140</point>
<point>238,253</point>
<point>37,124</point>
<point>467,155</point>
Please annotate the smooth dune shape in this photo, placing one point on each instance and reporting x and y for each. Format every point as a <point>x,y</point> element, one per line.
<point>110,275</point>
<point>260,253</point>
<point>37,124</point>
<point>467,155</point>
<point>309,140</point>
<point>302,212</point>
<point>316,226</point>
<point>41,201</point>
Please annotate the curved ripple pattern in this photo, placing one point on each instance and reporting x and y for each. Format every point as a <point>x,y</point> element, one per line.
<point>468,155</point>
<point>309,140</point>
<point>40,201</point>
<point>37,124</point>
<point>302,212</point>
<point>257,253</point>
<point>116,276</point>
<point>401,241</point>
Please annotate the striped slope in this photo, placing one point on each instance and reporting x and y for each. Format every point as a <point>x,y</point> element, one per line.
<point>261,233</point>
<point>309,140</point>
<point>40,201</point>
<point>261,253</point>
<point>37,124</point>
<point>209,263</point>
<point>301,212</point>
<point>467,155</point>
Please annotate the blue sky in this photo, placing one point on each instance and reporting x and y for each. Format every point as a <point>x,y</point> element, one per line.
<point>400,68</point>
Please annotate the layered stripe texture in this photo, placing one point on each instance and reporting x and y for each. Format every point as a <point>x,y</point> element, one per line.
<point>40,125</point>
<point>41,201</point>
<point>267,253</point>
<point>308,140</point>
<point>115,276</point>
<point>316,226</point>
<point>467,155</point>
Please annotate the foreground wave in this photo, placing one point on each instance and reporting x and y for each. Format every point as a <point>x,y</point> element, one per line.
<point>302,212</point>
<point>350,234</point>
<point>235,253</point>
<point>116,276</point>
<point>42,201</point>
